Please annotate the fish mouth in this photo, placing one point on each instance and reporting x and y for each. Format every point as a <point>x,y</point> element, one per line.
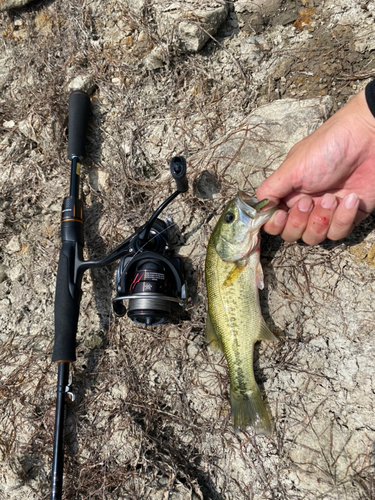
<point>250,206</point>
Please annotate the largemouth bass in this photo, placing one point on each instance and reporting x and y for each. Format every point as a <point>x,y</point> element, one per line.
<point>234,320</point>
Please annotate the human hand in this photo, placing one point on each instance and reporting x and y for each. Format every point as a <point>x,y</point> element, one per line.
<point>326,185</point>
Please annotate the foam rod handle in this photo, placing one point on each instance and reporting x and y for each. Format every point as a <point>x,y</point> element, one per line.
<point>178,171</point>
<point>66,311</point>
<point>78,112</point>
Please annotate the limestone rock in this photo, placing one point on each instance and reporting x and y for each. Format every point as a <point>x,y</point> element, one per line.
<point>155,59</point>
<point>38,131</point>
<point>364,41</point>
<point>82,82</point>
<point>30,127</point>
<point>98,179</point>
<point>14,245</point>
<point>371,8</point>
<point>253,49</point>
<point>188,27</point>
<point>261,144</point>
<point>3,272</point>
<point>5,66</point>
<point>9,124</point>
<point>16,272</point>
<point>207,185</point>
<point>12,4</point>
<point>254,15</point>
<point>136,6</point>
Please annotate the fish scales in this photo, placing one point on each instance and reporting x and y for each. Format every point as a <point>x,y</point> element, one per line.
<point>235,322</point>
<point>236,317</point>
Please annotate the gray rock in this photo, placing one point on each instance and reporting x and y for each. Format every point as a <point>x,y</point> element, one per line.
<point>264,7</point>
<point>185,24</point>
<point>253,15</point>
<point>16,272</point>
<point>30,127</point>
<point>12,4</point>
<point>207,185</point>
<point>98,178</point>
<point>4,310</point>
<point>285,17</point>
<point>155,59</point>
<point>94,341</point>
<point>82,82</point>
<point>136,6</point>
<point>189,28</point>
<point>14,245</point>
<point>119,391</point>
<point>3,272</point>
<point>252,49</point>
<point>39,131</point>
<point>263,141</point>
<point>5,66</point>
<point>364,40</point>
<point>9,124</point>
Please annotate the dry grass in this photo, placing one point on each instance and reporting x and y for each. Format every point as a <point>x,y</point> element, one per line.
<point>151,417</point>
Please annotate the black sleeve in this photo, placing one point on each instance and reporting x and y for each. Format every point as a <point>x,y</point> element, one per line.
<point>370,96</point>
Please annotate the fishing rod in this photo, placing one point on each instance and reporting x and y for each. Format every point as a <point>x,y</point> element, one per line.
<point>149,277</point>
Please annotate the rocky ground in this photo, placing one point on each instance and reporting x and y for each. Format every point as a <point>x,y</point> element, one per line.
<point>231,86</point>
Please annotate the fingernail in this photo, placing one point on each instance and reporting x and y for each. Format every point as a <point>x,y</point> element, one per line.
<point>304,204</point>
<point>351,201</point>
<point>280,218</point>
<point>328,201</point>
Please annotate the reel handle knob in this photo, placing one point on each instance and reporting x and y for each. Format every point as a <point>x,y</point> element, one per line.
<point>178,171</point>
<point>78,117</point>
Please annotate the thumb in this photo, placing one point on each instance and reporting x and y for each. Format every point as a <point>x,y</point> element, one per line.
<point>277,185</point>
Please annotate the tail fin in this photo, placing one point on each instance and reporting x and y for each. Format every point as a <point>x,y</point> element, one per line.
<point>248,409</point>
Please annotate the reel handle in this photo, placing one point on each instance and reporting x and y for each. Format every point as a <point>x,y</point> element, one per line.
<point>78,112</point>
<point>178,171</point>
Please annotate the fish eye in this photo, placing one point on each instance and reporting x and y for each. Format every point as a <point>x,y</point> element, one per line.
<point>229,218</point>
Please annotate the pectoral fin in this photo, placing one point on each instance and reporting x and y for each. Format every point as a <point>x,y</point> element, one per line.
<point>260,276</point>
<point>233,275</point>
<point>266,334</point>
<point>212,337</point>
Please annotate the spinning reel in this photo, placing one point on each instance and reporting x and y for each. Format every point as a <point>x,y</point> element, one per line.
<point>148,276</point>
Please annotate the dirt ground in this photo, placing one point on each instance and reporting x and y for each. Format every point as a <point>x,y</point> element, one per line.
<point>151,416</point>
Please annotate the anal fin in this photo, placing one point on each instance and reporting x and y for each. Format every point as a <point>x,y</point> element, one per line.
<point>266,334</point>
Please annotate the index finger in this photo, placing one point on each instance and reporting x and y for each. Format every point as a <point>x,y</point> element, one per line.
<point>277,223</point>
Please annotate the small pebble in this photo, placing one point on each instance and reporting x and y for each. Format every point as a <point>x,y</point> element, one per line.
<point>9,124</point>
<point>3,272</point>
